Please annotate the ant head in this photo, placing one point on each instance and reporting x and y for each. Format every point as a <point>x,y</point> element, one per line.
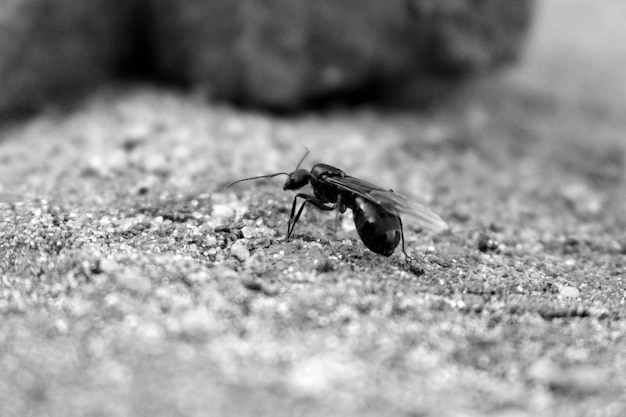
<point>297,179</point>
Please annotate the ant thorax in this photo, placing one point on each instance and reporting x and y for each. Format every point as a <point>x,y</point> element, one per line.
<point>319,170</point>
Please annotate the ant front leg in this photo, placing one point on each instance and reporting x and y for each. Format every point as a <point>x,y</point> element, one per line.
<point>307,199</point>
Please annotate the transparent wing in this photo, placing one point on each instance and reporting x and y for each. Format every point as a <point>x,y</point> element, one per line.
<point>424,216</point>
<point>392,202</point>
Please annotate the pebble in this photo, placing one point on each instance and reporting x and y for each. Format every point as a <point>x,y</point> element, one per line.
<point>151,332</point>
<point>239,251</point>
<point>136,135</point>
<point>567,291</point>
<point>108,266</point>
<point>257,263</point>
<point>225,272</point>
<point>487,243</point>
<point>199,277</point>
<point>210,241</point>
<point>154,163</point>
<point>326,264</point>
<point>146,184</point>
<point>578,379</point>
<point>248,232</point>
<point>134,280</point>
<point>196,323</point>
<point>61,326</point>
<point>544,371</point>
<point>583,200</point>
<point>101,166</point>
<point>222,211</point>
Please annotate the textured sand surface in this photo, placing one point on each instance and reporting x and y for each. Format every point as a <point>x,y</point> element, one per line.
<point>132,284</point>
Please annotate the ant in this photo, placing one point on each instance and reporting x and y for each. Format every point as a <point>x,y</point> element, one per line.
<point>376,211</point>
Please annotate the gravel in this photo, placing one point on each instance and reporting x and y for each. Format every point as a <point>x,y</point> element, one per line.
<point>186,299</point>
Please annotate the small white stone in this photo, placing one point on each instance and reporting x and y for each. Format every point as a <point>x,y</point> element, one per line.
<point>248,232</point>
<point>61,326</point>
<point>108,266</point>
<point>151,332</point>
<point>224,272</point>
<point>223,211</point>
<point>257,263</point>
<point>133,279</point>
<point>567,291</point>
<point>197,323</point>
<point>239,251</point>
<point>210,241</point>
<point>583,199</point>
<point>199,277</point>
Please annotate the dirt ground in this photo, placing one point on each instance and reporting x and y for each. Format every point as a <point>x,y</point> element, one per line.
<point>133,284</point>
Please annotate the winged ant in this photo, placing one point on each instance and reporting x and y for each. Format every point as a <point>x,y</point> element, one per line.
<point>376,211</point>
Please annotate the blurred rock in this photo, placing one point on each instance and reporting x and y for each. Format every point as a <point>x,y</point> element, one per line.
<point>576,379</point>
<point>257,263</point>
<point>240,251</point>
<point>222,211</point>
<point>151,333</point>
<point>276,53</point>
<point>487,243</point>
<point>567,291</point>
<point>583,200</point>
<point>286,53</point>
<point>56,49</point>
<point>134,280</point>
<point>197,324</point>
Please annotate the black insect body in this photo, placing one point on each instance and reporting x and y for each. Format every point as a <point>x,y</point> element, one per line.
<point>376,211</point>
<point>379,229</point>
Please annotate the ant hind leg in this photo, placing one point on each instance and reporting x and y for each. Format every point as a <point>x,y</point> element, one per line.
<point>408,258</point>
<point>339,212</point>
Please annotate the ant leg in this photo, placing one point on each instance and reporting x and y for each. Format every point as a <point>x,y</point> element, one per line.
<point>293,220</point>
<point>291,216</point>
<point>402,235</point>
<point>307,199</point>
<point>340,210</point>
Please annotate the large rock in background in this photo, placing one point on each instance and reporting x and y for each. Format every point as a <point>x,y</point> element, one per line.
<point>54,49</point>
<point>282,54</point>
<point>285,53</point>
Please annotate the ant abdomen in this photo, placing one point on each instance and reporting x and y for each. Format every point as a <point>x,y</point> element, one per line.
<point>379,229</point>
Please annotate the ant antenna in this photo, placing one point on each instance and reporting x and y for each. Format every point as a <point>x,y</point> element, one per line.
<point>270,175</point>
<point>256,178</point>
<point>303,158</point>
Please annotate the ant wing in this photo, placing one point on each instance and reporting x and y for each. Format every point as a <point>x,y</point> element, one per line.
<point>392,202</point>
<point>354,185</point>
<point>424,216</point>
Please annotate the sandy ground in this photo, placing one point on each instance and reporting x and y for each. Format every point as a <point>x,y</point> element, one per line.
<point>132,284</point>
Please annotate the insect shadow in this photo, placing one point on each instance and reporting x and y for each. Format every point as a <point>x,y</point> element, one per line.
<point>376,211</point>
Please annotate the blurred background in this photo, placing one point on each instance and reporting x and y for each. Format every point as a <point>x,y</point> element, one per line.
<point>290,55</point>
<point>132,283</point>
<point>280,55</point>
<point>574,51</point>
